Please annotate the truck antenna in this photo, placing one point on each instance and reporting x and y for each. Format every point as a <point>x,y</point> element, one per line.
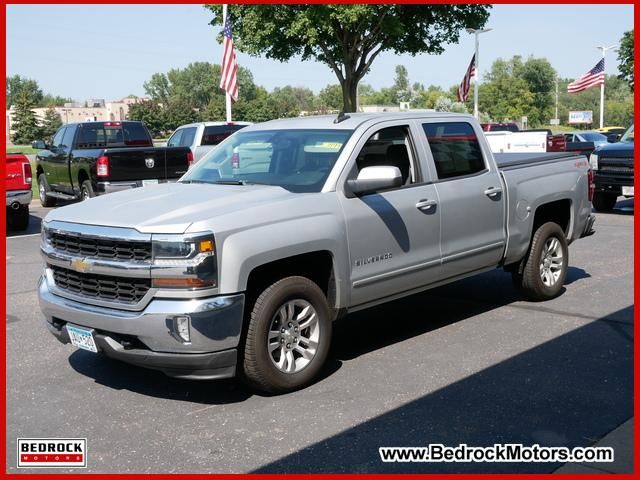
<point>341,117</point>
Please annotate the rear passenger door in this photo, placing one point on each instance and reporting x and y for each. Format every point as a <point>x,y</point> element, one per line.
<point>472,201</point>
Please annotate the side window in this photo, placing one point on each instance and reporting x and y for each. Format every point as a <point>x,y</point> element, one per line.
<point>57,138</point>
<point>174,141</point>
<point>389,147</point>
<point>188,134</point>
<point>455,149</point>
<point>67,139</point>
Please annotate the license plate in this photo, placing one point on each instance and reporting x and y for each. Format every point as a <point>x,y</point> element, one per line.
<point>82,338</point>
<point>149,182</point>
<point>627,191</point>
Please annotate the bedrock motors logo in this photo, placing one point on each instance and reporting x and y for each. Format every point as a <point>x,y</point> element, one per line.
<point>52,452</point>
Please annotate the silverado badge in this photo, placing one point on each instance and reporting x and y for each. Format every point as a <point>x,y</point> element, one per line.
<point>149,162</point>
<point>80,265</point>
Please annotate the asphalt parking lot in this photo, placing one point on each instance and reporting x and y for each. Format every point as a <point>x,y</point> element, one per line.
<point>465,363</point>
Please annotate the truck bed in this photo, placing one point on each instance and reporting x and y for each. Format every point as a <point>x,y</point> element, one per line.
<point>510,161</point>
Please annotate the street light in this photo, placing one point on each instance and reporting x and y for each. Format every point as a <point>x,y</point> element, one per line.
<point>604,53</point>
<point>477,32</point>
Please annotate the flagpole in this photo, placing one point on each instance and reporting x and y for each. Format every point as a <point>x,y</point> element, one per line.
<point>227,94</point>
<point>604,52</point>
<point>477,32</point>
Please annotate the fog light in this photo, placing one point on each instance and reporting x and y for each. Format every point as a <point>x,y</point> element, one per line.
<point>181,327</point>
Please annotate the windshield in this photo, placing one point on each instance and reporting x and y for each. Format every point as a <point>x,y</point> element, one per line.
<point>298,160</point>
<point>628,135</point>
<point>593,137</point>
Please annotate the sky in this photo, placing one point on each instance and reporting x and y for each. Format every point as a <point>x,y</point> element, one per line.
<point>109,51</point>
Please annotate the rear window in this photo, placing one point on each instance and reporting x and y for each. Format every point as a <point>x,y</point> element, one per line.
<point>510,127</point>
<point>455,148</point>
<point>113,134</point>
<point>213,135</point>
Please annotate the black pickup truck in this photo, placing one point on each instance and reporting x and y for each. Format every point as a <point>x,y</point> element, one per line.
<point>613,166</point>
<point>92,158</point>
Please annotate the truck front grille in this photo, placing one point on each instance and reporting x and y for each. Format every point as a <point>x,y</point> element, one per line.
<point>103,287</point>
<point>616,169</point>
<point>100,247</point>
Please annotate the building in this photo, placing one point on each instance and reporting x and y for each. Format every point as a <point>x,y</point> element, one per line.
<point>96,110</point>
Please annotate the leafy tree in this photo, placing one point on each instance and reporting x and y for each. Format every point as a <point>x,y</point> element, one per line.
<point>50,123</point>
<point>540,78</point>
<point>177,113</point>
<point>445,104</point>
<point>348,38</point>
<point>17,85</point>
<point>401,88</point>
<point>625,58</point>
<point>25,123</point>
<point>49,100</point>
<point>330,98</point>
<point>151,114</point>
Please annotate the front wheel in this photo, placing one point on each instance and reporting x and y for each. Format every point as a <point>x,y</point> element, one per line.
<point>288,336</point>
<point>546,264</point>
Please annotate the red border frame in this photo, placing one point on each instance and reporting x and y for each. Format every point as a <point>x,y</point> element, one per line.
<point>3,334</point>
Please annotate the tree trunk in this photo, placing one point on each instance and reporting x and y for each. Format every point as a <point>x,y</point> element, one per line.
<point>350,93</point>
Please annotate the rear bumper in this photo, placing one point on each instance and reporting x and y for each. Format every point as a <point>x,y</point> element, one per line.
<point>18,197</point>
<point>111,187</point>
<point>147,338</point>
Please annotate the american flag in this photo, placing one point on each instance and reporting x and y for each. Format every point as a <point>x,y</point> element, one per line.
<point>229,79</point>
<point>463,89</point>
<point>593,77</point>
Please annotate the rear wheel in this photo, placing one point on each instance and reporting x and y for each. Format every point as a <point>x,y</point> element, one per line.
<point>288,336</point>
<point>86,191</point>
<point>44,192</point>
<point>604,202</point>
<point>546,264</point>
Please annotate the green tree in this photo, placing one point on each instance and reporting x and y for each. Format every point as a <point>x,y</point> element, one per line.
<point>49,100</point>
<point>401,88</point>
<point>151,114</point>
<point>50,123</point>
<point>504,95</point>
<point>25,123</point>
<point>17,85</point>
<point>625,58</point>
<point>330,98</point>
<point>540,78</point>
<point>177,113</point>
<point>348,38</point>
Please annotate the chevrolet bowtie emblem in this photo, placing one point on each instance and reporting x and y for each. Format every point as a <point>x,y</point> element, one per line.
<point>80,265</point>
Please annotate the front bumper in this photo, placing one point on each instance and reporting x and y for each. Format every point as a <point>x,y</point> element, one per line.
<point>20,197</point>
<point>111,187</point>
<point>147,339</point>
<point>612,183</point>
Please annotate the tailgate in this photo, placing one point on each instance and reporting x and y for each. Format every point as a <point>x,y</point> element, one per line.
<point>177,161</point>
<point>140,164</point>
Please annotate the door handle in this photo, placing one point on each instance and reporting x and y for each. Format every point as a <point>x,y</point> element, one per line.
<point>426,204</point>
<point>491,192</point>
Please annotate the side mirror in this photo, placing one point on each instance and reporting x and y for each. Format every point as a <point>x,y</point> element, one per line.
<point>612,138</point>
<point>39,145</point>
<point>372,179</point>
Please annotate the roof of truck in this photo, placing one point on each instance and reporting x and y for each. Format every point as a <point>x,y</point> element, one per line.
<point>351,122</point>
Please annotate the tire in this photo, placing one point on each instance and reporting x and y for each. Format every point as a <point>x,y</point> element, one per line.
<point>604,202</point>
<point>542,277</point>
<point>86,191</point>
<point>44,192</point>
<point>19,219</point>
<point>283,367</point>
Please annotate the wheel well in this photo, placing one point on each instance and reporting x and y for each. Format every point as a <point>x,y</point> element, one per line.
<point>558,212</point>
<point>39,171</point>
<point>316,266</point>
<point>82,176</point>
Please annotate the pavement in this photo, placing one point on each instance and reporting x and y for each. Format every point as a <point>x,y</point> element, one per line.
<point>465,363</point>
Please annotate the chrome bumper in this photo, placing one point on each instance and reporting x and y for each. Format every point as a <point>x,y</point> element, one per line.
<point>215,328</point>
<point>22,197</point>
<point>111,187</point>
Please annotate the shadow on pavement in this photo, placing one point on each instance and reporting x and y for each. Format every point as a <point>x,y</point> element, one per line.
<point>569,391</point>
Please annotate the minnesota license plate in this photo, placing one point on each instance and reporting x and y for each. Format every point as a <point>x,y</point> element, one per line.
<point>82,338</point>
<point>627,191</point>
<point>149,182</point>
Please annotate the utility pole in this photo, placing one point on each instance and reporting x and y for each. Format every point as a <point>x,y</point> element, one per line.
<point>477,32</point>
<point>556,98</point>
<point>604,53</point>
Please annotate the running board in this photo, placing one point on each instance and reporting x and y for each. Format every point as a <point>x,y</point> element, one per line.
<point>62,196</point>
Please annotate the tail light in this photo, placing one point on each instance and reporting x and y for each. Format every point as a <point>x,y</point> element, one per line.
<point>26,171</point>
<point>190,158</point>
<point>592,184</point>
<point>102,167</point>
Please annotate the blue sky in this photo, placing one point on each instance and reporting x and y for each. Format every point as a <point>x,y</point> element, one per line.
<point>108,51</point>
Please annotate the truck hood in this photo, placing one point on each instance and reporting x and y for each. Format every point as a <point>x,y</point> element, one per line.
<point>168,208</point>
<point>616,150</point>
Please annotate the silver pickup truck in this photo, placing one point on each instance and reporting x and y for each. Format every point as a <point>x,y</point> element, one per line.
<point>243,265</point>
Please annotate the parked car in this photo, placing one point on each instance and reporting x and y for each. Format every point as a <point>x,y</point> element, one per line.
<point>613,134</point>
<point>243,265</point>
<point>555,142</point>
<point>500,127</point>
<point>88,159</point>
<point>18,189</point>
<point>613,166</point>
<point>203,136</point>
<point>597,138</point>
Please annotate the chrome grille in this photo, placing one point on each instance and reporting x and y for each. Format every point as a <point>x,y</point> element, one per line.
<point>100,247</point>
<point>617,169</point>
<point>103,287</point>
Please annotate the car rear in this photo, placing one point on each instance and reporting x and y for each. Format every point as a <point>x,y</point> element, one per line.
<point>18,190</point>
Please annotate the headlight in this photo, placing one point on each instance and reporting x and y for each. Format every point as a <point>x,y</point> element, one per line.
<point>593,161</point>
<point>184,261</point>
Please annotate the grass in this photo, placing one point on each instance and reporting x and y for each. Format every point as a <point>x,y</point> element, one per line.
<point>21,149</point>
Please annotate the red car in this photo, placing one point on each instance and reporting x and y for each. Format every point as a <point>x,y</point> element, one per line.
<point>18,185</point>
